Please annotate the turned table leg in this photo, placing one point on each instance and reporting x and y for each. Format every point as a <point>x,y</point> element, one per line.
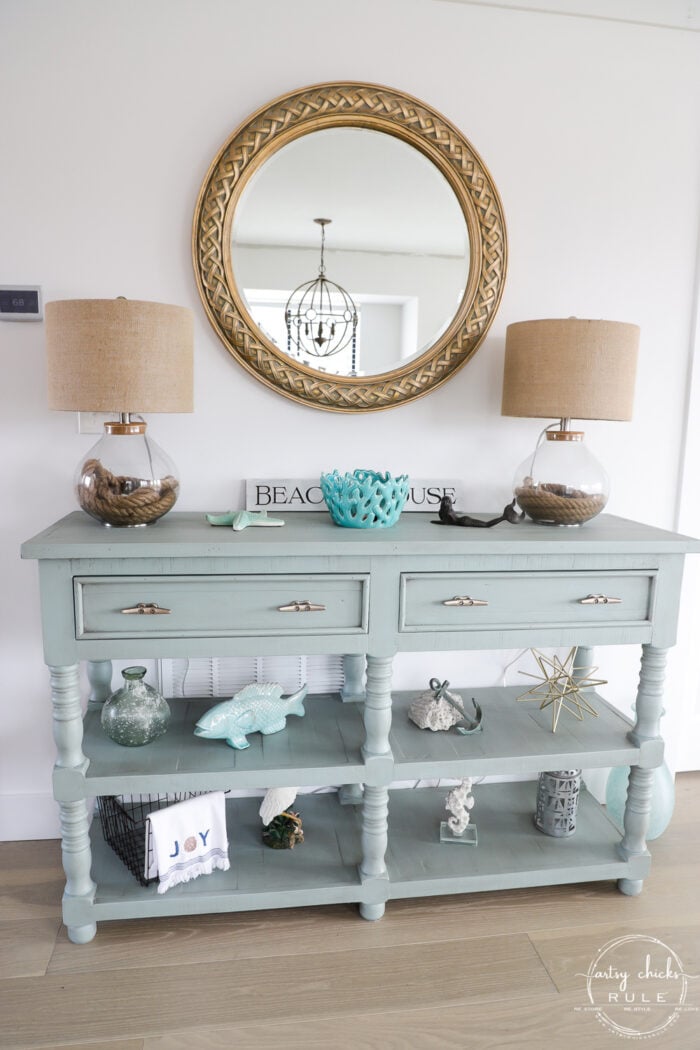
<point>377,754</point>
<point>75,840</point>
<point>354,672</point>
<point>377,706</point>
<point>353,691</point>
<point>583,660</point>
<point>99,674</point>
<point>375,811</point>
<point>649,707</point>
<point>77,858</point>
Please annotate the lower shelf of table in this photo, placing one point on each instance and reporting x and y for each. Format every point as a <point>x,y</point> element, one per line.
<point>324,869</point>
<point>511,852</point>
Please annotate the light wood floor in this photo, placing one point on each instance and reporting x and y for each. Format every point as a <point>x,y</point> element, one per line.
<point>491,971</point>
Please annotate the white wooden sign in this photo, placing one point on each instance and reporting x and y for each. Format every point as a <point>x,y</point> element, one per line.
<point>290,494</point>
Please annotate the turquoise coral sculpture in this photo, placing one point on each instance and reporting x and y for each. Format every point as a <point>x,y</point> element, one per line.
<point>364,499</point>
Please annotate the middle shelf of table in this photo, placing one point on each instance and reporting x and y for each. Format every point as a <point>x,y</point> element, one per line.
<point>325,747</point>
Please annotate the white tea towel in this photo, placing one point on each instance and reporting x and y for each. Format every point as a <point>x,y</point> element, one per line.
<point>187,840</point>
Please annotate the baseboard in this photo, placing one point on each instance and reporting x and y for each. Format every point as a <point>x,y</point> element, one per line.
<point>28,817</point>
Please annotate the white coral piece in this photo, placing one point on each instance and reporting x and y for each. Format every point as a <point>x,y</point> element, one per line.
<point>428,713</point>
<point>459,802</point>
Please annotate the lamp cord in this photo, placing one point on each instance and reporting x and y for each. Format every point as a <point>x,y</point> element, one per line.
<point>148,447</point>
<point>550,426</point>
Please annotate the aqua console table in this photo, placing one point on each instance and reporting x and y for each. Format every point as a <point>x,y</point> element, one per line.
<point>312,588</point>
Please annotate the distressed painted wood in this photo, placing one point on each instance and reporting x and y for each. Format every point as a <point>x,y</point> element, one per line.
<point>99,673</point>
<point>77,860</point>
<point>530,598</point>
<point>505,994</point>
<point>309,752</point>
<point>650,695</point>
<point>324,871</point>
<point>378,706</point>
<point>516,739</point>
<point>583,660</point>
<point>354,674</point>
<point>384,592</point>
<point>67,716</point>
<point>373,873</point>
<point>73,814</point>
<point>648,708</point>
<point>508,854</point>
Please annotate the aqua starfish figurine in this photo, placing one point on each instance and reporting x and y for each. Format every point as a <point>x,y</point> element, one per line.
<point>243,519</point>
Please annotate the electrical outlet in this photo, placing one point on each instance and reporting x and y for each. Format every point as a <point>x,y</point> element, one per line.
<point>93,422</point>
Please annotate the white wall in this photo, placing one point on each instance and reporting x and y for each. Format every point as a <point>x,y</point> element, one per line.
<point>112,113</point>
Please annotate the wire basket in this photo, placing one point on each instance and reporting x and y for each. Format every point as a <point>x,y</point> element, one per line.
<point>123,819</point>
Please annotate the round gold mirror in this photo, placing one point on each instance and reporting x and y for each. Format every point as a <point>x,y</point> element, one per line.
<point>349,247</point>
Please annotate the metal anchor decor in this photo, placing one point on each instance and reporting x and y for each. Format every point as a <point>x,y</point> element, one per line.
<point>471,725</point>
<point>440,709</point>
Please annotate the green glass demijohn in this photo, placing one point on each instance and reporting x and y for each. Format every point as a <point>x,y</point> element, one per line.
<point>135,714</point>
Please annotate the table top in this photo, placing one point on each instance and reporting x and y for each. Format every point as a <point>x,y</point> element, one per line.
<point>188,534</point>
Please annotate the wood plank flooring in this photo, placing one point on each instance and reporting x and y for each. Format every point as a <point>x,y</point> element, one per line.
<point>489,971</point>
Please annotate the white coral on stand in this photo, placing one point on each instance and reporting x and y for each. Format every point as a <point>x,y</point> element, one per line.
<point>459,802</point>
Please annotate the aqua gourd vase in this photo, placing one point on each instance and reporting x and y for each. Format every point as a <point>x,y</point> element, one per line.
<point>135,714</point>
<point>663,798</point>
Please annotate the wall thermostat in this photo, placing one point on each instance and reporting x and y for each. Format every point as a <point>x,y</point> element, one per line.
<point>20,302</point>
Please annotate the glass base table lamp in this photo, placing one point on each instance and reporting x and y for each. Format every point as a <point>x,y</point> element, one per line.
<point>567,369</point>
<point>127,357</point>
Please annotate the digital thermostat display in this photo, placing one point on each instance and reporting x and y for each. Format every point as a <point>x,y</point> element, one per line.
<point>20,303</point>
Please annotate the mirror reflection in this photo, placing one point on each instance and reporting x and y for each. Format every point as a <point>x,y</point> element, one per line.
<point>373,285</point>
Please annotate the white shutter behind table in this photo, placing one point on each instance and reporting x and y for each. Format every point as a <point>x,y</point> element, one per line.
<point>224,676</point>
<point>221,677</point>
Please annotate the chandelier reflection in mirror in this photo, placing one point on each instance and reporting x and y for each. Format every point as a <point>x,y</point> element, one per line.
<point>321,317</point>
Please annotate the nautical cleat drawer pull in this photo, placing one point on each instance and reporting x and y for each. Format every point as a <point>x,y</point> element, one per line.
<point>146,609</point>
<point>301,606</point>
<point>599,599</point>
<point>464,600</point>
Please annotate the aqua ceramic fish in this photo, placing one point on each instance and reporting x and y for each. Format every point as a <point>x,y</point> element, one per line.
<point>255,708</point>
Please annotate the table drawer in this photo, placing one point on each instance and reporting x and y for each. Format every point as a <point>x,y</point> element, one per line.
<point>220,606</point>
<point>468,601</point>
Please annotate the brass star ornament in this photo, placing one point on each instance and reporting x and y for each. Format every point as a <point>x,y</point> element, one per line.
<point>560,686</point>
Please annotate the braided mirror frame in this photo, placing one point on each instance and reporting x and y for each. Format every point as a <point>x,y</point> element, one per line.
<point>348,105</point>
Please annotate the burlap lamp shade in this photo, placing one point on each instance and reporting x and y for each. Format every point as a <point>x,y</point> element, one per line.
<point>567,369</point>
<point>570,369</point>
<point>121,356</point>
